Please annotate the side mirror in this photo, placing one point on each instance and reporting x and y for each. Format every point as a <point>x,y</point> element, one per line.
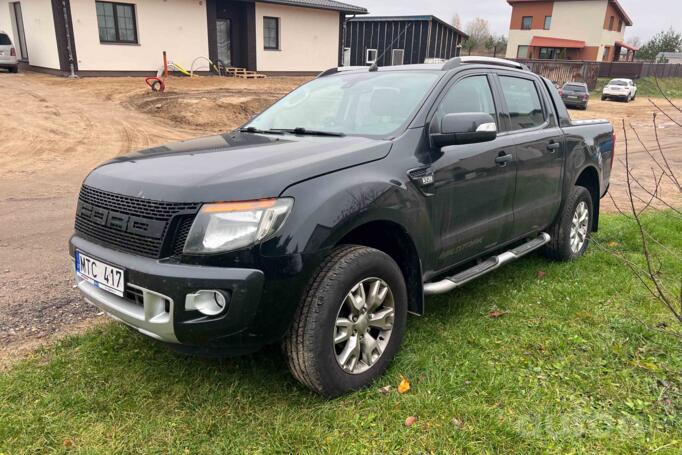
<point>465,128</point>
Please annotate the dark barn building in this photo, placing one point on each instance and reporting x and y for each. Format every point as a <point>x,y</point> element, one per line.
<point>397,40</point>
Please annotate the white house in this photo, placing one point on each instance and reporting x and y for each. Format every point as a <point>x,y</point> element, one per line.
<point>128,37</point>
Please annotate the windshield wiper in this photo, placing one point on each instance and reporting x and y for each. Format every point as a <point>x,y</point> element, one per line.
<point>253,129</point>
<point>304,131</point>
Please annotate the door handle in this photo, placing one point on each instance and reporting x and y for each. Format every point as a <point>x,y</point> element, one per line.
<point>503,158</point>
<point>553,146</point>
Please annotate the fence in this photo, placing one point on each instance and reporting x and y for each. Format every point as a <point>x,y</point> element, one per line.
<point>640,69</point>
<point>562,71</point>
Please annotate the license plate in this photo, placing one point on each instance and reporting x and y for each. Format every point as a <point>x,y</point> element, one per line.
<point>572,97</point>
<point>100,274</point>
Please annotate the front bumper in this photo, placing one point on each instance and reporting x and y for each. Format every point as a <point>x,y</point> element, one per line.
<point>154,303</point>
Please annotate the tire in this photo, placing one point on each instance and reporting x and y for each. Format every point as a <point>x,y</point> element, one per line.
<point>14,69</point>
<point>561,247</point>
<point>313,355</point>
<point>603,98</point>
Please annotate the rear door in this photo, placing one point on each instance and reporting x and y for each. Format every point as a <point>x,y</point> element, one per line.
<point>471,207</point>
<point>538,151</point>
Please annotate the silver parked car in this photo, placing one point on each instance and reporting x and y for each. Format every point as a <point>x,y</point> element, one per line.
<point>8,54</point>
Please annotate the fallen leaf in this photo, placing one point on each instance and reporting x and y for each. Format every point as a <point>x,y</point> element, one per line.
<point>457,423</point>
<point>541,274</point>
<point>385,389</point>
<point>410,421</point>
<point>68,443</point>
<point>404,385</point>
<point>613,244</point>
<point>496,313</point>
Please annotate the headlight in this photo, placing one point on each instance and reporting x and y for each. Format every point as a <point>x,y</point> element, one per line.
<point>228,226</point>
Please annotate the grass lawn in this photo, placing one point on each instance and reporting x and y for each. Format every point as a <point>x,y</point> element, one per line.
<point>568,368</point>
<point>646,86</point>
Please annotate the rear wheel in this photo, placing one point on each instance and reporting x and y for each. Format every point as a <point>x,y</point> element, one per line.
<point>603,98</point>
<point>350,323</point>
<point>571,231</point>
<point>14,69</point>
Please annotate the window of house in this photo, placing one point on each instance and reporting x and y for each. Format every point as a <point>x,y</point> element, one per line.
<point>526,22</point>
<point>620,25</point>
<point>116,22</point>
<point>549,53</point>
<point>548,22</point>
<point>607,51</point>
<point>371,56</point>
<point>398,56</point>
<point>523,102</point>
<point>611,22</point>
<point>522,51</point>
<point>271,33</point>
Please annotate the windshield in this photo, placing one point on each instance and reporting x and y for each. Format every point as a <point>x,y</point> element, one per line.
<point>615,82</point>
<point>363,104</point>
<point>575,88</point>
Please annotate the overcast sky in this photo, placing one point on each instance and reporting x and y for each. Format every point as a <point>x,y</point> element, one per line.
<point>649,16</point>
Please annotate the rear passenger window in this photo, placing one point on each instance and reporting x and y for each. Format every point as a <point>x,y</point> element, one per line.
<point>523,101</point>
<point>471,94</point>
<point>4,40</point>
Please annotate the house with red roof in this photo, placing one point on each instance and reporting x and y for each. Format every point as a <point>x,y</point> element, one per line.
<point>588,30</point>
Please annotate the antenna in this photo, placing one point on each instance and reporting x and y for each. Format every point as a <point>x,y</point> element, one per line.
<point>374,65</point>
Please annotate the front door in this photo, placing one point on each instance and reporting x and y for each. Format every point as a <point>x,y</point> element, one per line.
<point>472,206</point>
<point>224,40</point>
<point>538,151</point>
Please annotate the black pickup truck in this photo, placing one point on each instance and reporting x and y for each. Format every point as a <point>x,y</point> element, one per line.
<point>327,218</point>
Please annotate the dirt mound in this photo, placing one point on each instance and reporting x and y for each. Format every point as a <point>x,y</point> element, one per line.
<point>213,111</point>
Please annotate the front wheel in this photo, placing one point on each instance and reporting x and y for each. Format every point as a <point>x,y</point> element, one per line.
<point>350,323</point>
<point>571,231</point>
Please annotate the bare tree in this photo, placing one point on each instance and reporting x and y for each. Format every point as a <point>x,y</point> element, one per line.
<point>457,22</point>
<point>478,30</point>
<point>643,196</point>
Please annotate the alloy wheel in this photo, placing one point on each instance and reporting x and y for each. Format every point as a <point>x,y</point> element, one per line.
<point>364,325</point>
<point>579,226</point>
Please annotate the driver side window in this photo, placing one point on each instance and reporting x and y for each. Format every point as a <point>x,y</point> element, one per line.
<point>472,94</point>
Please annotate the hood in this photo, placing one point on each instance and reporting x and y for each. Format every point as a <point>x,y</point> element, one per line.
<point>232,166</point>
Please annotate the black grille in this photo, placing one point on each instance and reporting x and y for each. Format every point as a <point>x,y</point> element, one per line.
<point>181,234</point>
<point>131,224</point>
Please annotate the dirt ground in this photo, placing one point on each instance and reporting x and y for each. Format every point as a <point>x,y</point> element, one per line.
<point>54,130</point>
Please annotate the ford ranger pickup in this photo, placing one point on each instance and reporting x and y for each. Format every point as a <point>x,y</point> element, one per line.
<point>328,217</point>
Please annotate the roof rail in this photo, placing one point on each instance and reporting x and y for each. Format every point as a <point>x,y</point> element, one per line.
<point>342,69</point>
<point>457,61</point>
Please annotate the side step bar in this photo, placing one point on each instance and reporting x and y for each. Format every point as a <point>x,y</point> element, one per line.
<point>455,281</point>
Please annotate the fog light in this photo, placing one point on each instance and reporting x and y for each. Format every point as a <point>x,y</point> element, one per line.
<point>209,303</point>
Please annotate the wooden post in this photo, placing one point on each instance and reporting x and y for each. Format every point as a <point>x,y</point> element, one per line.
<point>165,66</point>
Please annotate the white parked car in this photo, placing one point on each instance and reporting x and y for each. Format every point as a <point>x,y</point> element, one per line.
<point>622,89</point>
<point>8,54</point>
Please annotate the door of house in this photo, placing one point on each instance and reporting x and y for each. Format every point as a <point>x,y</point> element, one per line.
<point>19,28</point>
<point>223,29</point>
